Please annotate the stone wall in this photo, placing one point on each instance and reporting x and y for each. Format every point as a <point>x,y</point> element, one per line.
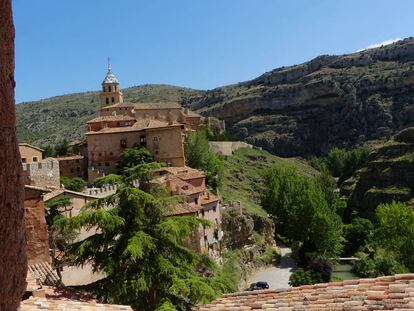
<point>43,174</point>
<point>227,148</point>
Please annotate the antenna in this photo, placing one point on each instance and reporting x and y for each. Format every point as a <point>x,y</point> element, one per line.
<point>109,63</point>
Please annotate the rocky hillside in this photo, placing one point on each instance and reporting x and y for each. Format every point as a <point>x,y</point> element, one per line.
<point>50,120</point>
<point>329,101</point>
<point>388,176</point>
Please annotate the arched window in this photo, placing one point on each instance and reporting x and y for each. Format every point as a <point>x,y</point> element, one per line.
<point>107,100</point>
<point>112,99</point>
<point>109,89</point>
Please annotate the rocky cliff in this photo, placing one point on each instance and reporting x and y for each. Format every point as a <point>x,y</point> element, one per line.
<point>329,101</point>
<point>388,176</point>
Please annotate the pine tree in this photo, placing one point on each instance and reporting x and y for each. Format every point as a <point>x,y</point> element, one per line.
<point>141,251</point>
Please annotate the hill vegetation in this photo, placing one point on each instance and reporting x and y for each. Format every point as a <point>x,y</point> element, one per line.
<point>49,121</point>
<point>330,101</point>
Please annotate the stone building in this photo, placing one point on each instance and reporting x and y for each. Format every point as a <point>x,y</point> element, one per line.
<point>196,201</point>
<point>160,127</point>
<point>73,166</point>
<point>29,153</point>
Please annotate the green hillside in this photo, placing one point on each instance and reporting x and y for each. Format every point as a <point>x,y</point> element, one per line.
<point>243,180</point>
<point>50,120</point>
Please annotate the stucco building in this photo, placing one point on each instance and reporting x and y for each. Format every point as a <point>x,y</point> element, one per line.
<point>29,153</point>
<point>196,201</point>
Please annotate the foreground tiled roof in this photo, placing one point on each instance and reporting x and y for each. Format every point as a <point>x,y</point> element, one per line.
<point>42,303</point>
<point>383,293</point>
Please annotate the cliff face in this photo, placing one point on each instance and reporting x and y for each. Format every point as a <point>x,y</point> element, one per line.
<point>388,176</point>
<point>330,101</point>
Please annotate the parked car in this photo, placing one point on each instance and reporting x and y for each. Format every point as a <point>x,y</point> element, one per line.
<point>258,286</point>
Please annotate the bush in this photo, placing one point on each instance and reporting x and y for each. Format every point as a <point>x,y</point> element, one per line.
<point>303,277</point>
<point>357,234</point>
<point>111,179</point>
<point>75,184</point>
<point>271,256</point>
<point>377,264</point>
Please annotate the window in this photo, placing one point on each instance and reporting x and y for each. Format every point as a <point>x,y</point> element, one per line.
<point>202,213</point>
<point>109,89</point>
<point>118,124</point>
<point>156,152</point>
<point>77,161</point>
<point>99,164</point>
<point>100,154</point>
<point>196,201</point>
<point>106,163</point>
<point>143,141</point>
<point>24,160</point>
<point>71,170</point>
<point>78,169</point>
<point>34,159</point>
<point>124,143</point>
<point>107,101</point>
<point>112,99</point>
<point>155,138</point>
<point>110,153</point>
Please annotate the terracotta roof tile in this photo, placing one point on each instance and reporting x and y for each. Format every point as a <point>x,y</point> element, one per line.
<point>383,293</point>
<point>112,118</point>
<point>43,274</point>
<point>70,157</point>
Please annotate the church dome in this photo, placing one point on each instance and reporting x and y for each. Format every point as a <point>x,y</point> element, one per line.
<point>110,77</point>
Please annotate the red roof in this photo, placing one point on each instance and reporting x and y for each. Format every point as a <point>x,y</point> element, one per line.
<point>383,293</point>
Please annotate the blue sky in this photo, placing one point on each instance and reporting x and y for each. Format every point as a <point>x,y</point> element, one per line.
<point>62,46</point>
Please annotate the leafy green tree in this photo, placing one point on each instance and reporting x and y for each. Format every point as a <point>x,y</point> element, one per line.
<point>395,232</point>
<point>132,157</point>
<point>62,148</point>
<point>48,151</point>
<point>302,213</point>
<point>344,163</point>
<point>110,179</point>
<point>199,155</point>
<point>357,234</point>
<point>74,184</point>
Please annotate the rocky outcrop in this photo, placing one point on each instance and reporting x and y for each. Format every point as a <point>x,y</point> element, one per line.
<point>329,101</point>
<point>388,176</point>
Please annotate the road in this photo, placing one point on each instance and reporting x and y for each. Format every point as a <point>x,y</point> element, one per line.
<point>277,277</point>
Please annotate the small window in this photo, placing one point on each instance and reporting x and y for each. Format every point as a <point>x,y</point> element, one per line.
<point>124,143</point>
<point>99,154</point>
<point>106,163</point>
<point>34,159</point>
<point>112,99</point>
<point>143,141</point>
<point>78,169</point>
<point>110,153</point>
<point>107,101</point>
<point>77,161</point>
<point>109,89</point>
<point>71,170</point>
<point>99,164</point>
<point>155,138</point>
<point>196,201</point>
<point>118,124</point>
<point>126,108</point>
<point>156,152</point>
<point>202,213</point>
<point>24,160</point>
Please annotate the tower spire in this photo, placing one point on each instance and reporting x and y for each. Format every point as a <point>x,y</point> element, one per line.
<point>109,64</point>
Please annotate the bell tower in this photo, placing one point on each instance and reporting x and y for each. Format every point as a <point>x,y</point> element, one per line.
<point>111,93</point>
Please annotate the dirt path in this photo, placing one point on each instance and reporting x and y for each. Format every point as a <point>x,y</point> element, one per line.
<point>277,277</point>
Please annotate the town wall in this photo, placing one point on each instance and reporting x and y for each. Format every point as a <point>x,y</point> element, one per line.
<point>42,174</point>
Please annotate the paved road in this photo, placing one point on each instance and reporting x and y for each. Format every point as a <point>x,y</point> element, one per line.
<point>277,277</point>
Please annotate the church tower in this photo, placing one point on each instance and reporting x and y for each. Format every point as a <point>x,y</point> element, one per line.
<point>111,93</point>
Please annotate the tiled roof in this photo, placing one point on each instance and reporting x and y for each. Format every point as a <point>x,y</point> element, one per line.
<point>139,125</point>
<point>112,118</point>
<point>70,157</point>
<point>146,106</point>
<point>55,193</point>
<point>184,209</point>
<point>208,198</point>
<point>184,173</point>
<point>383,293</point>
<point>30,146</point>
<point>43,274</point>
<point>43,303</point>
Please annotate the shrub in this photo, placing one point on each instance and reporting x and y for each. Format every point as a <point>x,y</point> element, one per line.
<point>111,179</point>
<point>74,184</point>
<point>303,277</point>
